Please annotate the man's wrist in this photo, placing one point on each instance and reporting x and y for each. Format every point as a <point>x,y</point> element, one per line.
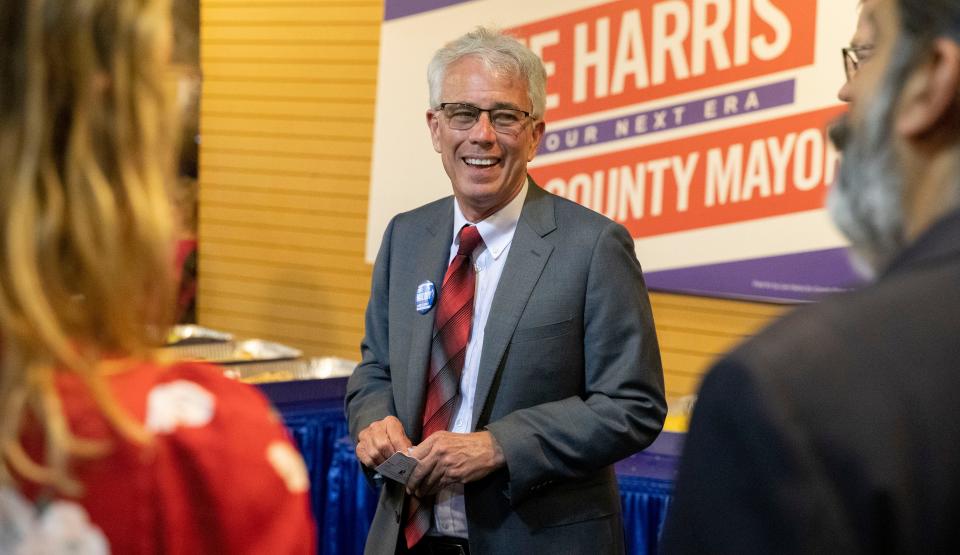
<point>497,457</point>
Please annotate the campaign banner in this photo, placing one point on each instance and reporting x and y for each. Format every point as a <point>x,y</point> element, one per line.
<point>629,52</point>
<point>700,125</point>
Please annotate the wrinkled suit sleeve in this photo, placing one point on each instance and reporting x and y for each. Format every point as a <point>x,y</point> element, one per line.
<point>369,396</point>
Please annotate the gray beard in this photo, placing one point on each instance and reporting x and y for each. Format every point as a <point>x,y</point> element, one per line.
<point>865,201</point>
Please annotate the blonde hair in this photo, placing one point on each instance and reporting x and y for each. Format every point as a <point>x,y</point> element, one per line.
<point>85,219</point>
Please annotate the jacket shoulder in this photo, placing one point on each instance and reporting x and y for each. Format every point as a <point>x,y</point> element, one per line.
<point>567,209</point>
<point>425,213</point>
<point>840,359</point>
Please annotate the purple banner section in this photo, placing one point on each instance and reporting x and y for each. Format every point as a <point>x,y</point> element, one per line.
<point>394,9</point>
<point>698,111</point>
<point>799,277</point>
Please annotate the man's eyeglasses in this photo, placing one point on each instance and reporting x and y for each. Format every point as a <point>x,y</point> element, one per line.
<point>462,117</point>
<point>854,57</point>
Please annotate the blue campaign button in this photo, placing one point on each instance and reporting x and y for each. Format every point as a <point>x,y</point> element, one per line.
<point>426,294</point>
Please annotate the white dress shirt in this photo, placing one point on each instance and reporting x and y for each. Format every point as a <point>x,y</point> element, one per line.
<point>450,515</point>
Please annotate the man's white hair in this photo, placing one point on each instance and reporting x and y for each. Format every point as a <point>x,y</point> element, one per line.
<point>501,54</point>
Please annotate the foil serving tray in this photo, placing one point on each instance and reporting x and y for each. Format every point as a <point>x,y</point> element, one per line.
<point>234,352</point>
<point>317,368</point>
<point>182,334</point>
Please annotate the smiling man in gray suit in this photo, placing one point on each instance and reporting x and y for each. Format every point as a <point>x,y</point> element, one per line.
<point>509,343</point>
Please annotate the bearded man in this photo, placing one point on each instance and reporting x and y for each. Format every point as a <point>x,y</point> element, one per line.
<point>830,431</point>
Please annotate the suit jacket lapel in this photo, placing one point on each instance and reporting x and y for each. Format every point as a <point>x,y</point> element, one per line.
<point>432,257</point>
<point>528,255</point>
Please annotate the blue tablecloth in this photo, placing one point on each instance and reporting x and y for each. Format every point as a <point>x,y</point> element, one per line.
<point>313,413</point>
<point>344,503</point>
<point>351,503</point>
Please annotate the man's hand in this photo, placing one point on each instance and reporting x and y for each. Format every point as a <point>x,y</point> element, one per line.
<point>380,440</point>
<point>448,458</point>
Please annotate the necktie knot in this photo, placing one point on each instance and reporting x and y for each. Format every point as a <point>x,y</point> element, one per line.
<point>469,240</point>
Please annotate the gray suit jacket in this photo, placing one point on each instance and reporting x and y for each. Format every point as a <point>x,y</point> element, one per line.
<point>570,379</point>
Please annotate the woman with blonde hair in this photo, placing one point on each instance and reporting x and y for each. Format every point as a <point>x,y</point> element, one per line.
<point>103,448</point>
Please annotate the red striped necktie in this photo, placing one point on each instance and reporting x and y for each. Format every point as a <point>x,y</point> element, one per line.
<point>451,332</point>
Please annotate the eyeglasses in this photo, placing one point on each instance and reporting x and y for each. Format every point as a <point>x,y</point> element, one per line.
<point>854,57</point>
<point>462,117</point>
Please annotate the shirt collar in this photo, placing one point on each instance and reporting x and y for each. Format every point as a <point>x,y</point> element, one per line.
<point>496,229</point>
